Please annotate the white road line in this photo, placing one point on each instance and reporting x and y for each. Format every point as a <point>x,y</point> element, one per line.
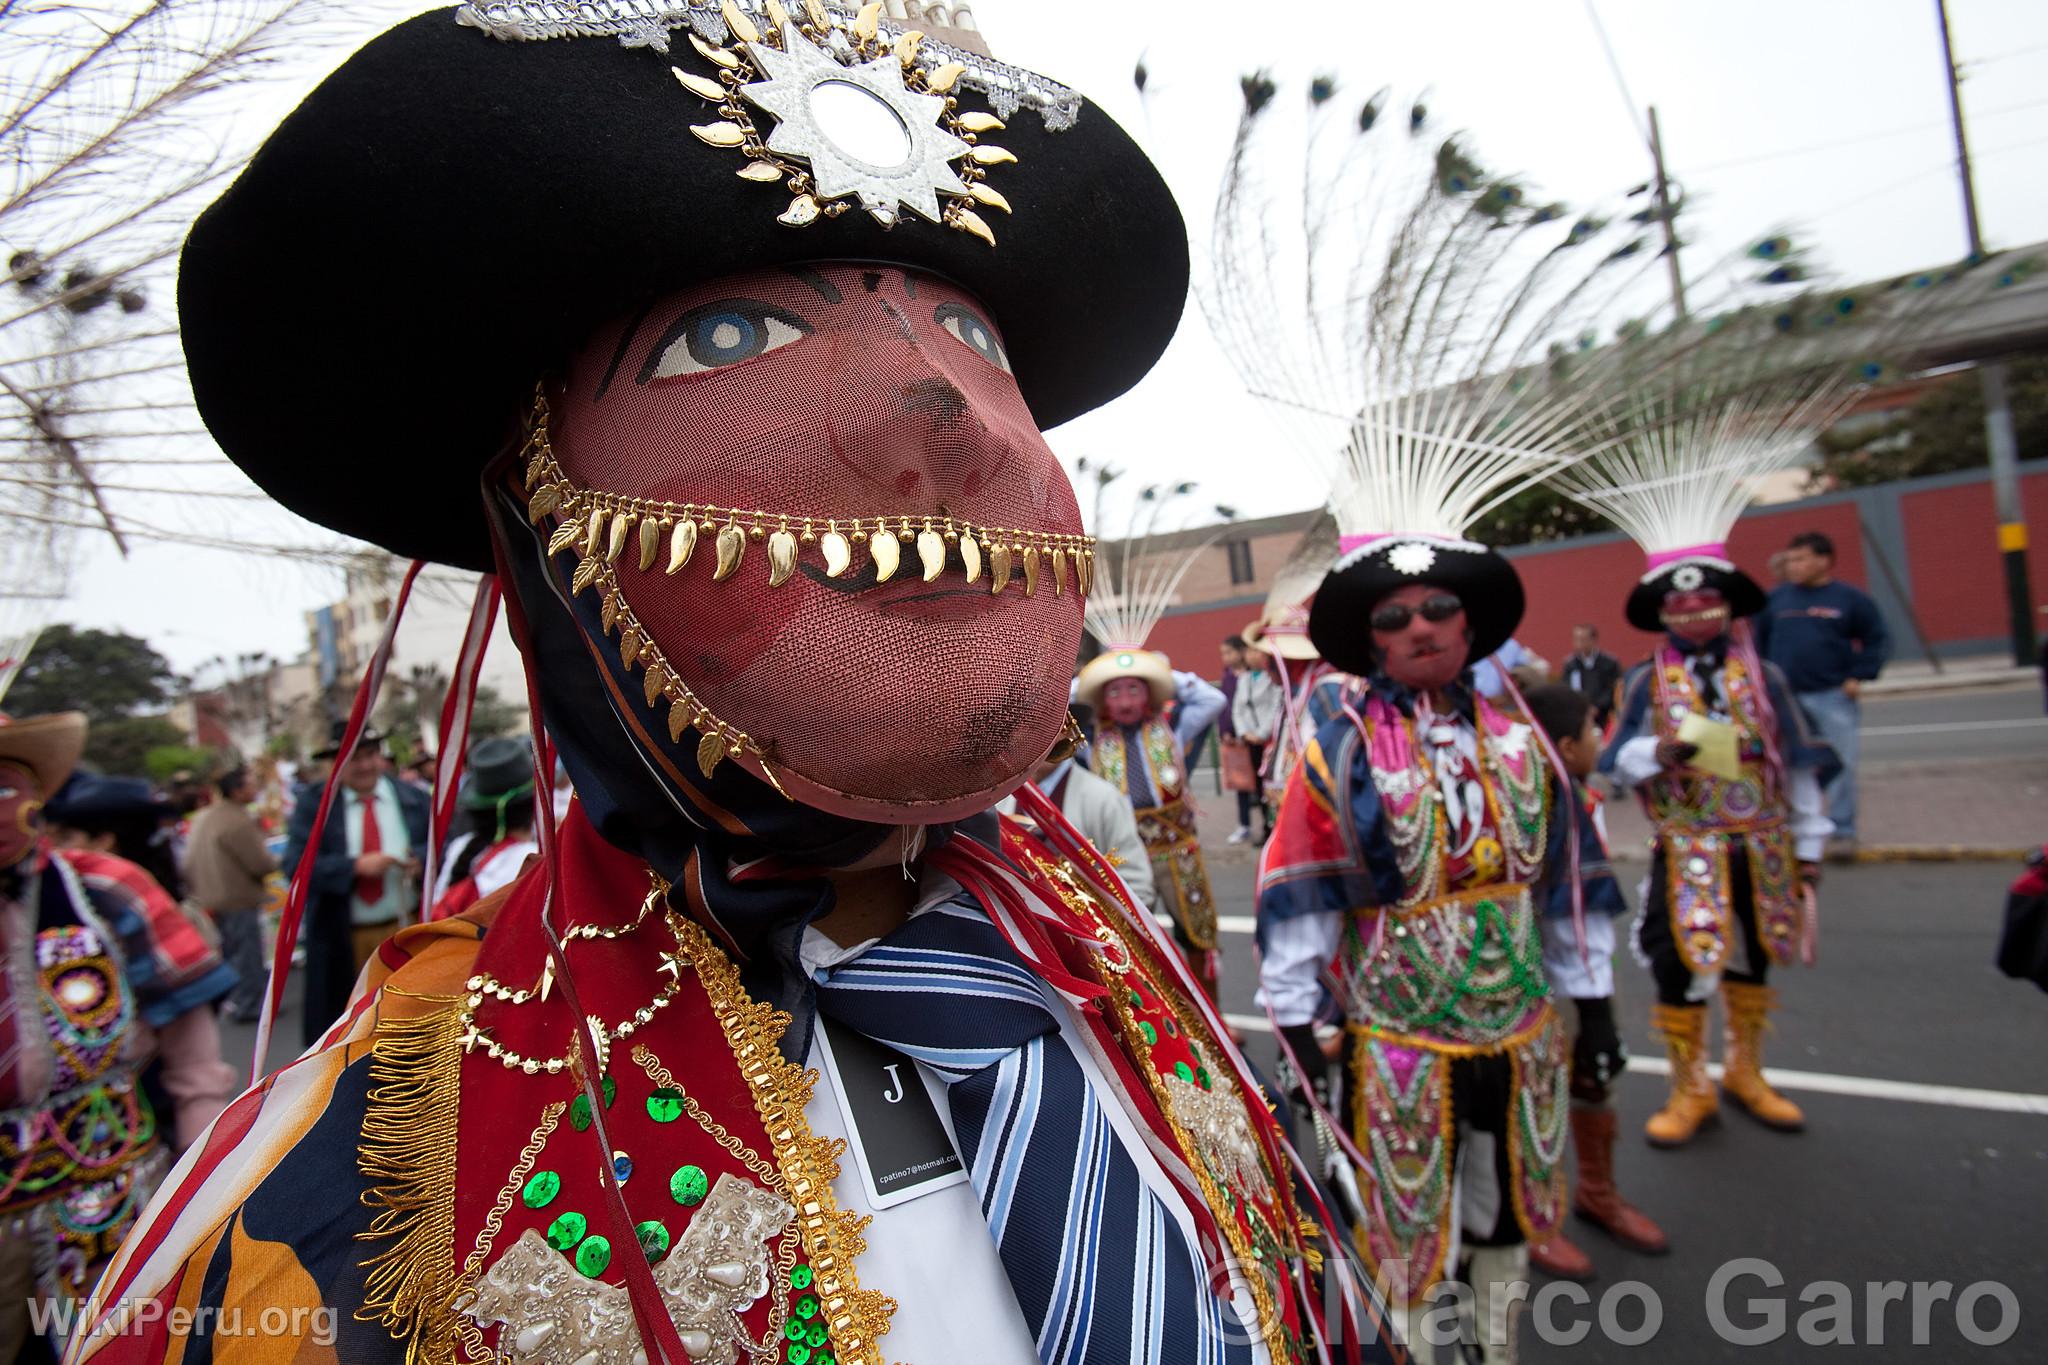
<point>1946,726</point>
<point>1821,1082</point>
<point>1235,924</point>
<point>1872,1088</point>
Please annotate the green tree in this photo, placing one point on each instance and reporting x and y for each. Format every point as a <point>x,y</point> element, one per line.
<point>123,744</point>
<point>103,673</point>
<point>1941,433</point>
<point>493,716</point>
<point>111,677</point>
<point>167,760</point>
<point>1539,513</point>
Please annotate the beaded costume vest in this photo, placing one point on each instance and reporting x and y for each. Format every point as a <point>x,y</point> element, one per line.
<point>1159,759</point>
<point>1451,970</point>
<point>1457,961</point>
<point>1701,819</point>
<point>79,1159</point>
<point>1166,826</point>
<point>1695,800</point>
<point>478,1136</point>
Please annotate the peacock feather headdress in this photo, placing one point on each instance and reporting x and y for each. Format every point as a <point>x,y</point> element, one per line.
<point>1138,575</point>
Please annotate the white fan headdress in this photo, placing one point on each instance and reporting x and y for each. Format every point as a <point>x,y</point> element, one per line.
<point>1137,577</point>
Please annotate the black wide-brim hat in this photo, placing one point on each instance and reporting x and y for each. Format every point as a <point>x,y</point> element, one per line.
<point>366,310</point>
<point>498,767</point>
<point>372,739</point>
<point>1646,600</point>
<point>88,800</point>
<point>1340,618</point>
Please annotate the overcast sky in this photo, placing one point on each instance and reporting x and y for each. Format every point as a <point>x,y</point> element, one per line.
<point>1829,116</point>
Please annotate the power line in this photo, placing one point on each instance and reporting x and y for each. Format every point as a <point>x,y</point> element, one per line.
<point>1621,81</point>
<point>2001,56</point>
<point>1784,152</point>
<point>1919,175</point>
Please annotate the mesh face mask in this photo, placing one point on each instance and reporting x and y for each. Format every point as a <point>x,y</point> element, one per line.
<point>797,494</point>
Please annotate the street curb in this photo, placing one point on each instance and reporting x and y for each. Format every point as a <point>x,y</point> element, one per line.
<point>1938,853</point>
<point>1952,682</point>
<point>1896,853</point>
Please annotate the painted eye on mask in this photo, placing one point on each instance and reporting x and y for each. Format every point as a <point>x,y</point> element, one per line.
<point>715,336</point>
<point>967,325</point>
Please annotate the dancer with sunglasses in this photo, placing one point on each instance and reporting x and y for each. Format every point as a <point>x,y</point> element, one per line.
<point>1418,840</point>
<point>1412,843</point>
<point>1710,737</point>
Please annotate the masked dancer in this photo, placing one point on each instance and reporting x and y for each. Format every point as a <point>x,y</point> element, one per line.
<point>745,320</point>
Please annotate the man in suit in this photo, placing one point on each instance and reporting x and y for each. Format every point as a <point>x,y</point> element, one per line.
<point>1593,673</point>
<point>365,880</point>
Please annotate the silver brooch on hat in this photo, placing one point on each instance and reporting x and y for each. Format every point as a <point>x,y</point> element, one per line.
<point>1686,577</point>
<point>1411,558</point>
<point>857,120</point>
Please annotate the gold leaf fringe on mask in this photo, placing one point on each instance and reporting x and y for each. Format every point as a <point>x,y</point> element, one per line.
<point>598,525</point>
<point>409,1142</point>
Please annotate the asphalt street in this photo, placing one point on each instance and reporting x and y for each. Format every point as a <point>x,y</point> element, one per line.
<point>1924,1077</point>
<point>1967,723</point>
<point>1916,1184</point>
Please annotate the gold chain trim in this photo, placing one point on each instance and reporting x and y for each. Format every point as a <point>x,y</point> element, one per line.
<point>474,1347</point>
<point>770,1344</point>
<point>498,990</point>
<point>855,1317</point>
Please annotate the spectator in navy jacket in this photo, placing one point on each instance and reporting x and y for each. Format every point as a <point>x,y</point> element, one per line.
<point>1829,639</point>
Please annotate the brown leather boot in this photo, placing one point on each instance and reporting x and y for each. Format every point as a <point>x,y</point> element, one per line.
<point>1561,1260</point>
<point>1597,1201</point>
<point>1742,1075</point>
<point>1693,1099</point>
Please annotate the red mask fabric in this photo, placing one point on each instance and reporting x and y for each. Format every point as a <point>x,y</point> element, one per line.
<point>1126,701</point>
<point>791,415</point>
<point>1696,616</point>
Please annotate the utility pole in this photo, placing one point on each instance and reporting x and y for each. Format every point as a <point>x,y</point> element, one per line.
<point>1998,428</point>
<point>1665,215</point>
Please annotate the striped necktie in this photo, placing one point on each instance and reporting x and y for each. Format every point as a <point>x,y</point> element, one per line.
<point>1100,1268</point>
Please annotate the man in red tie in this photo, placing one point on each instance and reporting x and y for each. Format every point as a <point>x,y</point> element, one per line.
<point>365,879</point>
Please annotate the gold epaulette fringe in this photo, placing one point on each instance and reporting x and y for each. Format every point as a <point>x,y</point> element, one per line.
<point>408,1151</point>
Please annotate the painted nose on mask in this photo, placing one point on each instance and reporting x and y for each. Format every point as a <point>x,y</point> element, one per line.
<point>926,440</point>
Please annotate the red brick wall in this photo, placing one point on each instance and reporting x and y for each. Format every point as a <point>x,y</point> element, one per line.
<point>1951,548</point>
<point>1590,583</point>
<point>1951,541</point>
<point>1190,639</point>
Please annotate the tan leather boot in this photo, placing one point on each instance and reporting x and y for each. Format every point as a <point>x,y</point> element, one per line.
<point>1597,1201</point>
<point>1742,1076</point>
<point>1693,1099</point>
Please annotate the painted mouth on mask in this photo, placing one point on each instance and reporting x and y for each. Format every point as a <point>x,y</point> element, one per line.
<point>1693,618</point>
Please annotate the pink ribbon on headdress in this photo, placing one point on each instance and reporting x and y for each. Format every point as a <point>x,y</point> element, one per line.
<point>1711,550</point>
<point>1346,544</point>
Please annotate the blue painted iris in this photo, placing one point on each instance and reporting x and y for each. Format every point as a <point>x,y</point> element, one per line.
<point>969,326</point>
<point>717,335</point>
